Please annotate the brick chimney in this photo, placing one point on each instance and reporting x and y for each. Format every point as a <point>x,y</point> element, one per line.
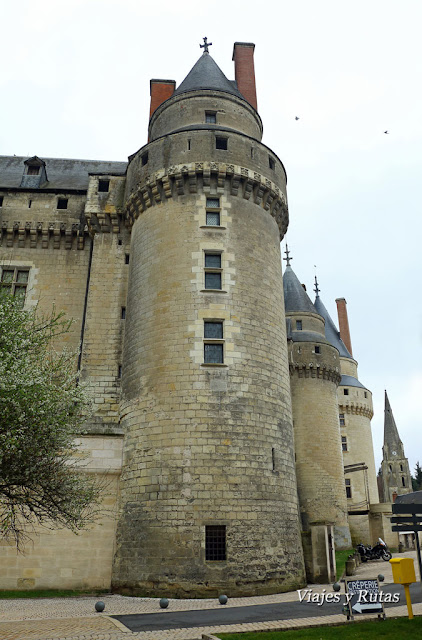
<point>160,90</point>
<point>343,323</point>
<point>244,71</point>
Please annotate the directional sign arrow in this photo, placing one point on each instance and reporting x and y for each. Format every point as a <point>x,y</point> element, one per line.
<point>367,608</point>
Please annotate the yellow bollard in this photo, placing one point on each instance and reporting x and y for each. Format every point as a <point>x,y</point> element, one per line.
<point>408,601</point>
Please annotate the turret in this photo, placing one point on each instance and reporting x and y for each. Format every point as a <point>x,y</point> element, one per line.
<point>208,491</point>
<point>314,375</point>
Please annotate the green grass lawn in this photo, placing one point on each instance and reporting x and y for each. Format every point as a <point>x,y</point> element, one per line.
<point>50,593</point>
<point>387,629</point>
<point>341,557</point>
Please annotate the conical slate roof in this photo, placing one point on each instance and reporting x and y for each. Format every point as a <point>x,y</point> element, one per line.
<point>295,296</point>
<point>391,435</point>
<point>331,332</point>
<point>206,74</point>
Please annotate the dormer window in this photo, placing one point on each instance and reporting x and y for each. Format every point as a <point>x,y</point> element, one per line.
<point>103,186</point>
<point>33,171</point>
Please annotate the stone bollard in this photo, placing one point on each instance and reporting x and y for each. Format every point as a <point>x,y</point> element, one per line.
<point>356,557</point>
<point>350,567</point>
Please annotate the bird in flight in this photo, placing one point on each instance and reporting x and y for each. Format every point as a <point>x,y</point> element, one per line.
<point>385,131</point>
<point>296,118</point>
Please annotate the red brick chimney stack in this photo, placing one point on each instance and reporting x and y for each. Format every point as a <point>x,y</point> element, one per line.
<point>343,323</point>
<point>160,90</point>
<point>244,71</point>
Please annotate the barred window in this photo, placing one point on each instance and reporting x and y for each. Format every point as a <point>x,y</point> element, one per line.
<point>15,280</point>
<point>215,542</point>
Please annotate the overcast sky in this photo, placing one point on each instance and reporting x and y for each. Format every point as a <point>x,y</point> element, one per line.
<point>75,84</point>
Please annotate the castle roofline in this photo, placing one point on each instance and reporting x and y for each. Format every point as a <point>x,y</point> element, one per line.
<point>206,74</point>
<point>331,332</point>
<point>295,296</point>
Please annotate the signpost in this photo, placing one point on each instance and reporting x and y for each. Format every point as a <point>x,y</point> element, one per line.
<point>408,517</point>
<point>363,596</point>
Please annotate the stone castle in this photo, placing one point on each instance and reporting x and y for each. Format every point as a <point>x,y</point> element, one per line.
<point>229,417</point>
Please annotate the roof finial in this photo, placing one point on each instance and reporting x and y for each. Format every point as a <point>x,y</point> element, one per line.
<point>287,252</point>
<point>316,288</point>
<point>205,45</point>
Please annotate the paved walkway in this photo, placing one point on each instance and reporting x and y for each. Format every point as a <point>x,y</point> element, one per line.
<point>76,619</point>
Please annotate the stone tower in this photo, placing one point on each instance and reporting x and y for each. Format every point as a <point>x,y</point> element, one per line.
<point>314,375</point>
<point>395,473</point>
<point>208,490</point>
<point>355,413</point>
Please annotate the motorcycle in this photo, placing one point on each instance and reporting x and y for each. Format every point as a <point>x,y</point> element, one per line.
<point>378,551</point>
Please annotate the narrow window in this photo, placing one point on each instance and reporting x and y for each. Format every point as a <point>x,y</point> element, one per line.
<point>211,117</point>
<point>271,163</point>
<point>366,395</point>
<point>298,325</point>
<point>123,313</point>
<point>213,271</point>
<point>213,212</point>
<point>403,482</point>
<point>62,203</point>
<point>317,349</point>
<point>251,152</point>
<point>29,204</point>
<point>348,488</point>
<point>15,280</point>
<point>119,242</point>
<point>221,143</point>
<point>213,342</point>
<point>401,467</point>
<point>215,542</point>
<point>346,392</point>
<point>344,443</point>
<point>342,420</point>
<point>391,468</point>
<point>1,201</point>
<point>126,258</point>
<point>103,186</point>
<point>144,158</point>
<point>33,171</point>
<point>119,371</point>
<point>188,145</point>
<point>273,457</point>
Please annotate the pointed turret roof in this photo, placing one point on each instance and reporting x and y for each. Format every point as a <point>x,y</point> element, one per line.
<point>391,435</point>
<point>295,296</point>
<point>206,74</point>
<point>331,332</point>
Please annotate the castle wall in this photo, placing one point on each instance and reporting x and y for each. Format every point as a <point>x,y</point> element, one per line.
<point>60,559</point>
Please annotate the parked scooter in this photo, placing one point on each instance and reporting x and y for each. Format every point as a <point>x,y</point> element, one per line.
<point>380,550</point>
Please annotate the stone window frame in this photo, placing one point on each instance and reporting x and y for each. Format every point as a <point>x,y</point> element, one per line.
<point>317,349</point>
<point>103,185</point>
<point>345,392</point>
<point>208,269</point>
<point>342,419</point>
<point>348,484</point>
<point>14,285</point>
<point>61,202</point>
<point>299,325</point>
<point>212,210</point>
<point>344,445</point>
<point>214,341</point>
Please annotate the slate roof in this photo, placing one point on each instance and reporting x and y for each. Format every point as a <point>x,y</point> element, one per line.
<point>410,498</point>
<point>295,296</point>
<point>331,332</point>
<point>391,434</point>
<point>63,173</point>
<point>206,74</point>
<point>350,381</point>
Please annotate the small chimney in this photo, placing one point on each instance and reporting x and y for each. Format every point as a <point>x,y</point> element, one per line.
<point>343,323</point>
<point>244,71</point>
<point>160,90</point>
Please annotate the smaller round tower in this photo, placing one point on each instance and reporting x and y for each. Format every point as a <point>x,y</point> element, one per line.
<point>355,413</point>
<point>314,375</point>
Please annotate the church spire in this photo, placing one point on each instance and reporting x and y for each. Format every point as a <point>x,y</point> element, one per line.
<point>391,435</point>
